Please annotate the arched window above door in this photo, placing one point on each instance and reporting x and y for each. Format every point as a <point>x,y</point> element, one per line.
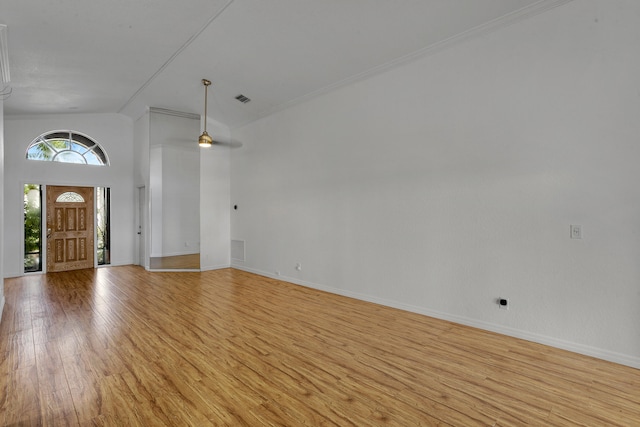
<point>67,147</point>
<point>70,197</point>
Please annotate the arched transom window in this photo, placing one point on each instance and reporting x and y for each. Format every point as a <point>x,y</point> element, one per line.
<point>70,197</point>
<point>67,147</point>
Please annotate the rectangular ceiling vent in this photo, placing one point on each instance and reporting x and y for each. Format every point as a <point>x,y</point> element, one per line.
<point>242,98</point>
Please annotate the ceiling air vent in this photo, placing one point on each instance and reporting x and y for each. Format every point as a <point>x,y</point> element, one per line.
<point>242,99</point>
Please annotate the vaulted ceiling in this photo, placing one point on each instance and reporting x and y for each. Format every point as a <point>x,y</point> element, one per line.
<point>79,56</point>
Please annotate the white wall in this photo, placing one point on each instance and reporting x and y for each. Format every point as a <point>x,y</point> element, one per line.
<point>181,200</point>
<point>141,150</point>
<point>443,184</point>
<point>156,226</point>
<point>214,190</point>
<point>215,221</point>
<point>141,161</point>
<point>175,184</point>
<point>114,133</point>
<point>2,235</point>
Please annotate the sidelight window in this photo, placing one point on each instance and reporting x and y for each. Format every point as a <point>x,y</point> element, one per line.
<point>32,228</point>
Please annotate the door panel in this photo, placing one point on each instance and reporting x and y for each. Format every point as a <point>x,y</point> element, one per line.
<point>69,228</point>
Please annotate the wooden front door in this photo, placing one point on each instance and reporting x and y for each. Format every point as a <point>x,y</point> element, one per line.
<point>69,228</point>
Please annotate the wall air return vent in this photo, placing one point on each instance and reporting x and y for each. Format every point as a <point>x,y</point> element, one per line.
<point>237,250</point>
<point>242,99</point>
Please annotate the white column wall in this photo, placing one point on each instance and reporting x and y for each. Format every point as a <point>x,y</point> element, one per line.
<point>215,206</point>
<point>141,171</point>
<point>214,191</point>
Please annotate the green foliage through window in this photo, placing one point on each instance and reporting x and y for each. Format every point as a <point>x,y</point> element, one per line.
<point>103,229</point>
<point>67,147</point>
<point>32,228</point>
<point>33,250</point>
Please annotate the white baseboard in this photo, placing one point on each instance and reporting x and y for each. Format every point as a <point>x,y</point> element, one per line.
<point>179,253</point>
<point>11,274</point>
<point>202,268</point>
<point>214,267</point>
<point>622,359</point>
<point>1,306</point>
<point>117,264</point>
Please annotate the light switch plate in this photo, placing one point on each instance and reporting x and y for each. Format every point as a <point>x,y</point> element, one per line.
<point>576,231</point>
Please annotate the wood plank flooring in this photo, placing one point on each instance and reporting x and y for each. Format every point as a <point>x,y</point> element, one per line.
<point>121,346</point>
<point>182,262</point>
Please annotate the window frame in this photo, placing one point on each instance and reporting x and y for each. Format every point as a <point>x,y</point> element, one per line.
<point>61,145</point>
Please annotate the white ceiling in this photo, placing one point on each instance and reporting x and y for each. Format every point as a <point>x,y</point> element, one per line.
<point>79,56</point>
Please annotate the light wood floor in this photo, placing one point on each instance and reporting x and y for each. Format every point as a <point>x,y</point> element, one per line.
<point>182,262</point>
<point>121,346</point>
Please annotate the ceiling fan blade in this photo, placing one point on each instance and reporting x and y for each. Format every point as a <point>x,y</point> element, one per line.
<point>231,144</point>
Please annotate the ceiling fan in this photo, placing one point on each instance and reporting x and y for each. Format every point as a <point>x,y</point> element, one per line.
<point>205,140</point>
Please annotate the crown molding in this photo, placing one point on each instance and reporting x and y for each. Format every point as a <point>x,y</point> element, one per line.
<point>186,44</point>
<point>175,113</point>
<point>488,27</point>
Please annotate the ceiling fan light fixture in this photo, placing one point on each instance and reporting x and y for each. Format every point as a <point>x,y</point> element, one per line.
<point>205,140</point>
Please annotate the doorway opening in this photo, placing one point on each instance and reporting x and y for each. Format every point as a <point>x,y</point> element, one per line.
<point>76,217</point>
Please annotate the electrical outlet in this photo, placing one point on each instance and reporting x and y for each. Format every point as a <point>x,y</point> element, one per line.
<point>503,303</point>
<point>298,266</point>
